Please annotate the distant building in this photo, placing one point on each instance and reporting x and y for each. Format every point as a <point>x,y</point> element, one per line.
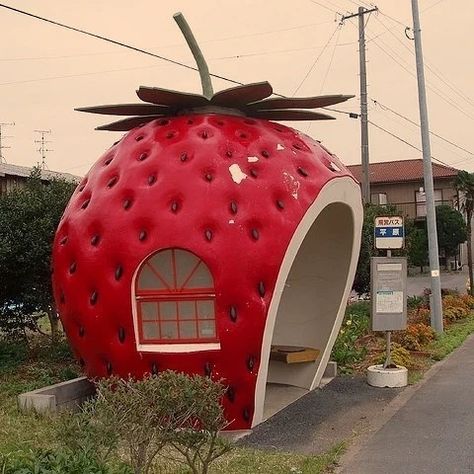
<point>401,183</point>
<point>14,176</point>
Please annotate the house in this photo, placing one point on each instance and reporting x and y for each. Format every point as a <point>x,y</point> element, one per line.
<point>13,176</point>
<point>401,184</point>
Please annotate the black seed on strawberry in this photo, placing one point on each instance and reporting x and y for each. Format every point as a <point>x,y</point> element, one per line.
<point>112,182</point>
<point>208,235</point>
<point>109,368</point>
<point>95,240</point>
<point>265,154</point>
<point>280,204</point>
<point>233,207</point>
<point>302,172</point>
<point>261,289</point>
<point>250,363</point>
<point>127,204</point>
<point>183,157</point>
<point>143,156</point>
<point>81,331</point>
<point>93,298</point>
<point>85,204</point>
<point>151,179</point>
<point>207,369</point>
<point>255,234</point>
<point>142,235</point>
<point>154,368</point>
<point>174,206</point>
<point>118,272</point>
<point>72,267</point>
<point>231,393</point>
<point>233,313</point>
<point>121,335</point>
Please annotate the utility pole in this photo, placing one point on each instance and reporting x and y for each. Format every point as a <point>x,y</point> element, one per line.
<point>436,305</point>
<point>364,118</point>
<point>2,137</point>
<point>42,149</point>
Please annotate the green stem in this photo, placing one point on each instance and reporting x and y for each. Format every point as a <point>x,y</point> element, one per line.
<point>198,56</point>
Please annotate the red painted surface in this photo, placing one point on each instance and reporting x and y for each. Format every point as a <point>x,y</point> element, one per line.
<point>168,185</point>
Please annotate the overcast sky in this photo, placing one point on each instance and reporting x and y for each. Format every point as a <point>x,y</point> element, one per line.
<point>47,71</point>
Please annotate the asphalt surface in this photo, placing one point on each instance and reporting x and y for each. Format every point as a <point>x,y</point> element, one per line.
<point>433,432</point>
<point>322,418</point>
<point>452,280</point>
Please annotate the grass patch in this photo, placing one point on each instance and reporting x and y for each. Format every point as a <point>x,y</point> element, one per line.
<point>249,461</point>
<point>453,336</point>
<point>23,367</point>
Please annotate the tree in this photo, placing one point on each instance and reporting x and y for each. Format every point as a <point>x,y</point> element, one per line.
<point>417,247</point>
<point>464,185</point>
<point>451,230</point>
<point>29,217</point>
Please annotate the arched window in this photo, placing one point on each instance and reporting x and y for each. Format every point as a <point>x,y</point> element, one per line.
<point>175,299</point>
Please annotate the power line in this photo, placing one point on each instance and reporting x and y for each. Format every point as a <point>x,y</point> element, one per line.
<point>331,59</point>
<point>431,68</point>
<point>386,107</point>
<point>432,88</point>
<point>406,142</point>
<point>109,40</point>
<point>326,7</point>
<point>310,70</point>
<point>433,5</point>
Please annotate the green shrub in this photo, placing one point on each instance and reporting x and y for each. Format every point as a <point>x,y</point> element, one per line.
<point>399,356</point>
<point>60,461</point>
<point>173,410</point>
<point>356,324</point>
<point>415,337</point>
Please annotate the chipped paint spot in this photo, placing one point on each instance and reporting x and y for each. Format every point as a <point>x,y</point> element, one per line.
<point>252,159</point>
<point>280,147</point>
<point>292,184</point>
<point>334,167</point>
<point>232,221</point>
<point>237,174</point>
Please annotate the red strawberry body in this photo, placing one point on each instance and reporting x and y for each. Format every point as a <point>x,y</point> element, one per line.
<point>229,189</point>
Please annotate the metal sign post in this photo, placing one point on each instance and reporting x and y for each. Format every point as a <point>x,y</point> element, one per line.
<point>388,280</point>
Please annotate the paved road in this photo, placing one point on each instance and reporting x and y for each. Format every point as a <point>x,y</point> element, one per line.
<point>452,280</point>
<point>433,432</point>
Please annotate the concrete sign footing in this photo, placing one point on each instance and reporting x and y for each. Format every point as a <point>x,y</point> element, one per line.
<point>377,376</point>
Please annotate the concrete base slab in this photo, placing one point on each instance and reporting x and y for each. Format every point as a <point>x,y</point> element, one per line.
<point>57,397</point>
<point>377,376</point>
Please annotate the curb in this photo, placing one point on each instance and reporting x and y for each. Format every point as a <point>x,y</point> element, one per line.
<point>359,440</point>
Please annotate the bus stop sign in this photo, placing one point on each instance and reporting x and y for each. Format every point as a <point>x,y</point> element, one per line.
<point>389,232</point>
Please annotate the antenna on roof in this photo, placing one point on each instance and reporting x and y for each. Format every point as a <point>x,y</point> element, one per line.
<point>43,149</point>
<point>2,146</point>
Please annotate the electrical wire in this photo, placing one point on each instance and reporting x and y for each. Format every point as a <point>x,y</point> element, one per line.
<point>428,66</point>
<point>386,107</point>
<point>310,70</point>
<point>326,7</point>
<point>109,40</point>
<point>406,142</point>
<point>331,58</point>
<point>431,6</point>
<point>435,90</point>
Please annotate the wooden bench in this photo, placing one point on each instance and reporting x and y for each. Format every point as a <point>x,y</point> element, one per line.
<point>293,354</point>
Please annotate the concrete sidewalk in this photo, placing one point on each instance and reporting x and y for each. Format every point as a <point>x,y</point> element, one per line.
<point>432,427</point>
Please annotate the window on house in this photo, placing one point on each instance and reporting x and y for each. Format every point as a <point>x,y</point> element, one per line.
<point>379,198</point>
<point>420,198</point>
<point>175,299</point>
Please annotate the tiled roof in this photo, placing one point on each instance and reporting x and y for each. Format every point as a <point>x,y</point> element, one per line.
<point>25,171</point>
<point>401,171</point>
